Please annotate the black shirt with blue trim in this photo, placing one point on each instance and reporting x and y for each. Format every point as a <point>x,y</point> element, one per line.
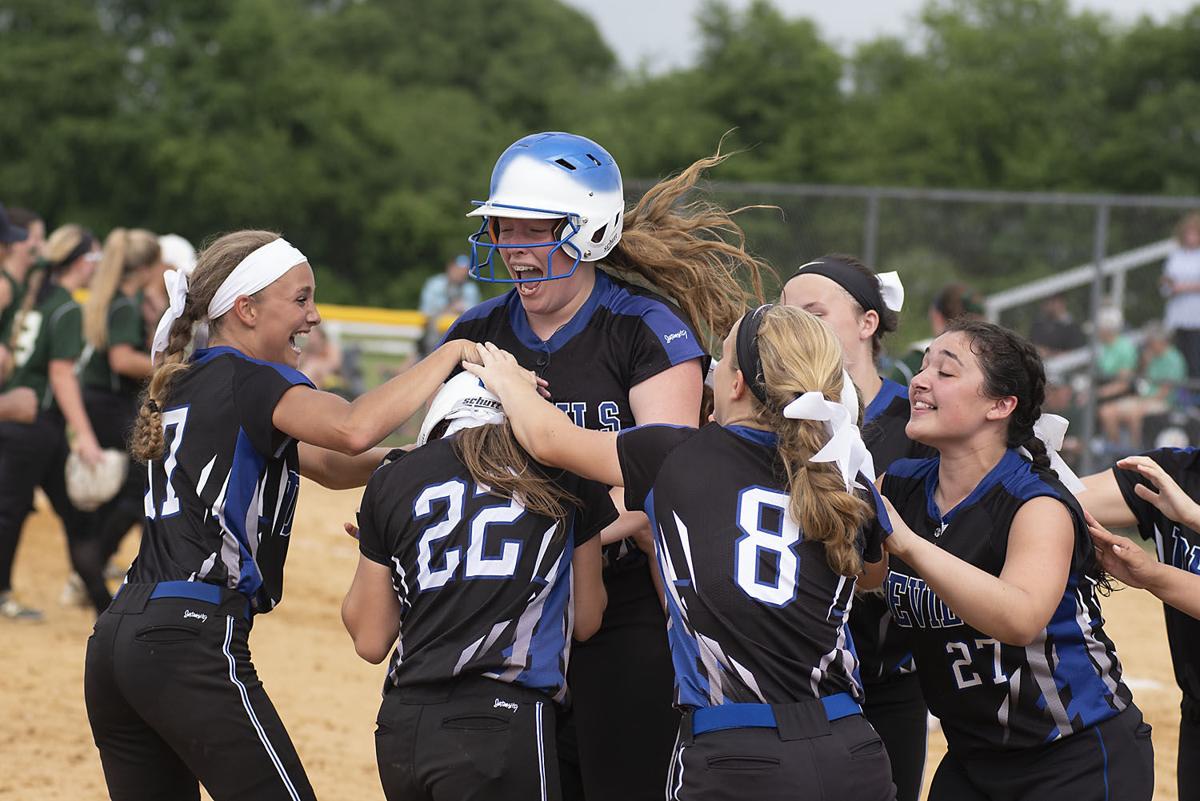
<point>883,649</point>
<point>991,696</point>
<point>221,497</point>
<point>1178,546</point>
<point>484,585</point>
<point>621,336</point>
<point>755,613</point>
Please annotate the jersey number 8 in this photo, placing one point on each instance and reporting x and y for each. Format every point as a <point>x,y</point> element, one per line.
<point>769,532</point>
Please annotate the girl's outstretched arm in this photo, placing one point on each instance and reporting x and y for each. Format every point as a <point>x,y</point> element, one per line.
<point>542,429</point>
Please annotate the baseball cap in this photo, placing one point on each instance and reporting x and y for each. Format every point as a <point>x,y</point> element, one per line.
<point>464,401</point>
<point>10,233</point>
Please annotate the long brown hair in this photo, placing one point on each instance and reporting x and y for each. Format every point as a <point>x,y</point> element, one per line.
<point>495,458</point>
<point>800,354</point>
<point>125,251</point>
<point>214,265</point>
<point>693,253</point>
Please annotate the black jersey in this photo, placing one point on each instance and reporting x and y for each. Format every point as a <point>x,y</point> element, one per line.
<point>484,586</point>
<point>1178,546</point>
<point>755,613</point>
<point>621,336</point>
<point>220,500</point>
<point>991,696</point>
<point>883,649</point>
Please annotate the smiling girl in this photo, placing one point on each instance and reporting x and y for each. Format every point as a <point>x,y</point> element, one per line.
<point>992,573</point>
<point>225,433</point>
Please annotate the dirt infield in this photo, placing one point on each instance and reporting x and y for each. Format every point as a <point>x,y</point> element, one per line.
<point>326,694</point>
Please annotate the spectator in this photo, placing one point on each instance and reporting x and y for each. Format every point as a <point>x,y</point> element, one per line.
<point>1181,287</point>
<point>321,360</point>
<point>1163,370</point>
<point>1117,366</point>
<point>952,302</point>
<point>1055,330</point>
<point>448,292</point>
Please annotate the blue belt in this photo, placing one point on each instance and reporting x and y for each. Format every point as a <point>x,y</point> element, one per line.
<point>761,716</point>
<point>192,590</point>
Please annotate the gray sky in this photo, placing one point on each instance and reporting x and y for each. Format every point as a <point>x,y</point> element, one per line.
<point>660,33</point>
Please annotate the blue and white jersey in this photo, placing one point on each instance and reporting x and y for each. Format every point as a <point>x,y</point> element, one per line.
<point>484,585</point>
<point>1177,545</point>
<point>755,614</point>
<point>621,336</point>
<point>991,696</point>
<point>219,501</point>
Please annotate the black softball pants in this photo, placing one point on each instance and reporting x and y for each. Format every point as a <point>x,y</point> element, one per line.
<point>35,455</point>
<point>473,739</point>
<point>807,758</point>
<point>1111,761</point>
<point>621,682</point>
<point>896,708</point>
<point>174,701</point>
<point>1188,764</point>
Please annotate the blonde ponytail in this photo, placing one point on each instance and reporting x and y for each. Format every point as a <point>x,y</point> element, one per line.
<point>124,252</point>
<point>212,268</point>
<point>800,354</point>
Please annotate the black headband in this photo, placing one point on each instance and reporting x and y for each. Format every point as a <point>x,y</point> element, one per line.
<point>862,288</point>
<point>749,361</point>
<point>84,246</point>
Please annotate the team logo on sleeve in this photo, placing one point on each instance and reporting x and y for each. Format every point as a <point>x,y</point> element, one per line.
<point>680,334</point>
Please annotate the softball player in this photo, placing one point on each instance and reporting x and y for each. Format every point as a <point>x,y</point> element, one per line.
<point>760,534</point>
<point>171,692</point>
<point>615,355</point>
<point>48,343</point>
<point>485,565</point>
<point>860,307</point>
<point>116,363</point>
<point>1138,492</point>
<point>992,573</point>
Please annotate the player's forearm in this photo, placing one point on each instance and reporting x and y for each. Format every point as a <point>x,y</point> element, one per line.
<point>70,397</point>
<point>986,602</point>
<point>1177,588</point>
<point>337,470</point>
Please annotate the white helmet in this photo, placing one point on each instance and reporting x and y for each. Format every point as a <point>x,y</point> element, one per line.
<point>551,176</point>
<point>466,402</point>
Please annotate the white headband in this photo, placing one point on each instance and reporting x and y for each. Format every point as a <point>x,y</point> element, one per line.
<point>845,447</point>
<point>891,290</point>
<point>1051,429</point>
<point>258,270</point>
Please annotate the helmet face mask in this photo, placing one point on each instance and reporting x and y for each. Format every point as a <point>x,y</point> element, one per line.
<point>551,176</point>
<point>487,239</point>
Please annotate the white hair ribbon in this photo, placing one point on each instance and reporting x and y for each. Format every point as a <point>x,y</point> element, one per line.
<point>260,269</point>
<point>1051,429</point>
<point>845,447</point>
<point>177,288</point>
<point>891,290</point>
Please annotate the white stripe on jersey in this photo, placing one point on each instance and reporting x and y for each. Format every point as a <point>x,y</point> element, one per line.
<point>1096,650</point>
<point>685,541</point>
<point>204,475</point>
<point>1035,655</point>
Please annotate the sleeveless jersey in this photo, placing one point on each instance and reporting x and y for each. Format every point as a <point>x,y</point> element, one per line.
<point>220,500</point>
<point>621,336</point>
<point>50,331</point>
<point>991,696</point>
<point>883,649</point>
<point>125,327</point>
<point>484,586</point>
<point>755,614</point>
<point>1177,545</point>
